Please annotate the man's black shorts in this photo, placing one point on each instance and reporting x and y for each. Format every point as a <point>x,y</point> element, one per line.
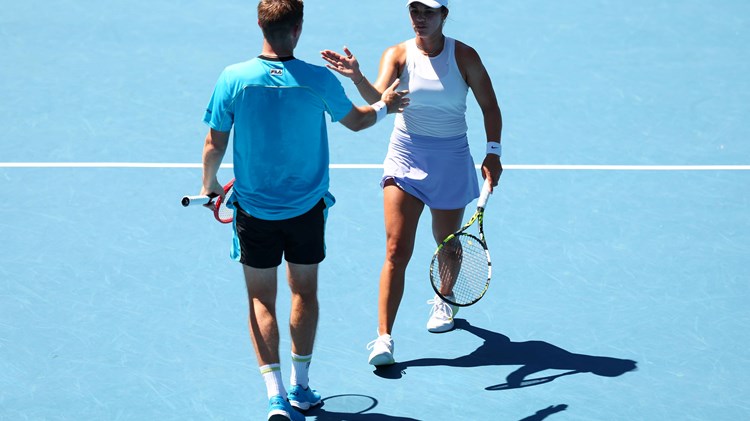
<point>301,240</point>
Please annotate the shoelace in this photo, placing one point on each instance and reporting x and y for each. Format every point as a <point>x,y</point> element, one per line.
<point>440,308</point>
<point>371,345</point>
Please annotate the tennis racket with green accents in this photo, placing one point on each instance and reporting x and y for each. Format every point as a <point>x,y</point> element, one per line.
<point>461,268</point>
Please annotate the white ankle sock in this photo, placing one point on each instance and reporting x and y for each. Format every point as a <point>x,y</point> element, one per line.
<point>272,376</point>
<point>300,370</point>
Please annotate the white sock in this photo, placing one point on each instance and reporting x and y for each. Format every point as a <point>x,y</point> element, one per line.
<point>300,370</point>
<point>272,376</point>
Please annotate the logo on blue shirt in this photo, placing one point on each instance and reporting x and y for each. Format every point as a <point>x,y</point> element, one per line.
<point>277,72</point>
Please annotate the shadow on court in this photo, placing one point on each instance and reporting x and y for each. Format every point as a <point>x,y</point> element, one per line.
<point>546,412</point>
<point>348,408</point>
<point>532,356</point>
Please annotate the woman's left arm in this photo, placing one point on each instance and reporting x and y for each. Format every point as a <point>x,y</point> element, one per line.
<point>476,76</point>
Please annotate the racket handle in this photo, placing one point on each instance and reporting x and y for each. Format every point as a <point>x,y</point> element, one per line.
<point>195,200</point>
<point>484,195</point>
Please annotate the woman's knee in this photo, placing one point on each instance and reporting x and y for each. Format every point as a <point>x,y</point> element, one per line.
<point>399,252</point>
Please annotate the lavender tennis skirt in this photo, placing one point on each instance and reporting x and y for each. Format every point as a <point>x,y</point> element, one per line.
<point>438,171</point>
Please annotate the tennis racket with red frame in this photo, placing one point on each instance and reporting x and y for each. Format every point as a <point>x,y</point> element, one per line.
<point>218,204</point>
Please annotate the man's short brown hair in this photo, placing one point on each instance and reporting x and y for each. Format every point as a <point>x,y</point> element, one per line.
<point>278,17</point>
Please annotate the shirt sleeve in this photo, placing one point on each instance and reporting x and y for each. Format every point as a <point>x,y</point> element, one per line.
<point>338,104</point>
<point>219,113</point>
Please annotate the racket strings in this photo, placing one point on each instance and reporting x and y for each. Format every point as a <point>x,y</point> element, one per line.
<point>462,269</point>
<point>224,212</point>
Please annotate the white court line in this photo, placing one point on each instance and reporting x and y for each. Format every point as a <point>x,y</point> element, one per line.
<point>380,166</point>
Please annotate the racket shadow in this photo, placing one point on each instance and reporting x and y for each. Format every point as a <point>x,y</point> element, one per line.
<point>531,356</point>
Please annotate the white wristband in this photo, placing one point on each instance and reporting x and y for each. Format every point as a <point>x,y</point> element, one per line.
<point>380,110</point>
<point>495,148</point>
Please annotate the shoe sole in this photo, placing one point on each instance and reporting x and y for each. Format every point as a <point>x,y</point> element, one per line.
<point>442,329</point>
<point>382,359</point>
<point>304,405</point>
<point>279,416</point>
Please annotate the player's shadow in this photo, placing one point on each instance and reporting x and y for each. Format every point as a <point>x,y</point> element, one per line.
<point>546,412</point>
<point>532,356</point>
<point>353,412</point>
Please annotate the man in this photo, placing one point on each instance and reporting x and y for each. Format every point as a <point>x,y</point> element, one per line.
<point>277,105</point>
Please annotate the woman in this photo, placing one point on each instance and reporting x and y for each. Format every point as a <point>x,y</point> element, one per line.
<point>428,160</point>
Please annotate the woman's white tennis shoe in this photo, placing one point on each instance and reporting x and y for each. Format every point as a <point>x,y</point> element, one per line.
<point>382,350</point>
<point>441,315</point>
<point>441,320</point>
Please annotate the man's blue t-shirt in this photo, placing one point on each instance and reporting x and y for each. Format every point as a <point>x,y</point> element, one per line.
<point>277,109</point>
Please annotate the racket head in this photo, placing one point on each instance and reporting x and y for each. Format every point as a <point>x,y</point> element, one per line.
<point>222,212</point>
<point>461,269</point>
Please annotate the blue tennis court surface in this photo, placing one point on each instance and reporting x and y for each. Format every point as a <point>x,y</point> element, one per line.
<point>620,235</point>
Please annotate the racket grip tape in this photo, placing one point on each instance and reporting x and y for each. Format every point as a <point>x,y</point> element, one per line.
<point>195,200</point>
<point>484,195</point>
